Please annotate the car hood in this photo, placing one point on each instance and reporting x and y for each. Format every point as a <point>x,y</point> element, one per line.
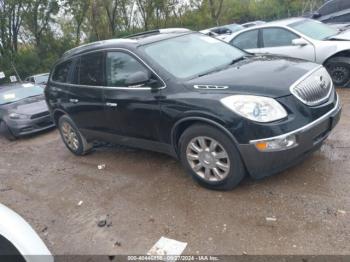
<point>29,106</point>
<point>343,36</point>
<point>269,76</point>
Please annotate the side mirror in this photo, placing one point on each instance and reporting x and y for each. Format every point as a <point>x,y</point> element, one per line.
<point>300,42</point>
<point>138,78</point>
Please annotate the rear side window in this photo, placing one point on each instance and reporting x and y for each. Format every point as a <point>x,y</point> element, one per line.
<point>61,72</point>
<point>274,37</point>
<point>119,66</point>
<point>90,69</point>
<point>246,40</point>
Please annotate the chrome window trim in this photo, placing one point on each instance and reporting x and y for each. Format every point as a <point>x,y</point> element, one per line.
<point>208,87</point>
<point>304,128</point>
<point>304,77</point>
<point>113,87</point>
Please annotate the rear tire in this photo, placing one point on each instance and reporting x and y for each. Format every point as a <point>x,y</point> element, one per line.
<point>339,70</point>
<point>6,132</point>
<point>211,157</point>
<point>72,137</point>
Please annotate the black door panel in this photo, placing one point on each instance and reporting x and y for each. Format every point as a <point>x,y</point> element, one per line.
<point>132,111</point>
<point>86,108</point>
<point>85,97</point>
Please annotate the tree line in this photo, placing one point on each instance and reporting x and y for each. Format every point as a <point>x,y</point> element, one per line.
<point>35,33</point>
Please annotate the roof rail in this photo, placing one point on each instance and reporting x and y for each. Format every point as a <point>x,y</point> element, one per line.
<point>113,40</point>
<point>151,32</point>
<point>79,47</point>
<point>159,31</point>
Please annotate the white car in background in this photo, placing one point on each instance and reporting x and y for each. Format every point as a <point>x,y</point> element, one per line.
<point>18,240</point>
<point>301,38</point>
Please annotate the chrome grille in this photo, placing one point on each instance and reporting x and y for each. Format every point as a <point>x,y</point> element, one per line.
<point>313,89</point>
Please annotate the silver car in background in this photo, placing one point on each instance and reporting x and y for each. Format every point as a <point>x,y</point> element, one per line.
<point>301,38</point>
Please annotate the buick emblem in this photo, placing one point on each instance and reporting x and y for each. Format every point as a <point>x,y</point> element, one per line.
<point>323,83</point>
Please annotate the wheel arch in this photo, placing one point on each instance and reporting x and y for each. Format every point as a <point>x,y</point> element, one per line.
<point>184,123</point>
<point>57,114</point>
<point>343,53</point>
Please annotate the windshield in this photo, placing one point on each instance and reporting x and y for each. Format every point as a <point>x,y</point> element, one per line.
<point>9,95</point>
<point>192,55</point>
<point>42,79</point>
<point>314,29</point>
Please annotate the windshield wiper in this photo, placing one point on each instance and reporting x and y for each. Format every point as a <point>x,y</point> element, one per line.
<point>217,69</point>
<point>236,60</point>
<point>224,67</point>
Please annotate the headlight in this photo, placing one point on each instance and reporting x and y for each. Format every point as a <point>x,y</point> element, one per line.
<point>256,108</point>
<point>18,116</point>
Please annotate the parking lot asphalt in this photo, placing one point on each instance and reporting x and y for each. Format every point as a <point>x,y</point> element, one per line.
<point>146,195</point>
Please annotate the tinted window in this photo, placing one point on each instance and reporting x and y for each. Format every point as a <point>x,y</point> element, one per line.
<point>61,72</point>
<point>91,69</point>
<point>119,66</point>
<point>278,37</point>
<point>246,40</point>
<point>334,6</point>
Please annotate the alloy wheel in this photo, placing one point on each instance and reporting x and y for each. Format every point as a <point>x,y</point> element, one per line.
<point>70,136</point>
<point>339,74</point>
<point>208,159</point>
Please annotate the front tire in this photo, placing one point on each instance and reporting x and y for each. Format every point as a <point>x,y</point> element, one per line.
<point>6,132</point>
<point>72,137</point>
<point>339,70</point>
<point>211,157</point>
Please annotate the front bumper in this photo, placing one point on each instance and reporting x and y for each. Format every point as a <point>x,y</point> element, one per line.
<point>30,126</point>
<point>309,138</point>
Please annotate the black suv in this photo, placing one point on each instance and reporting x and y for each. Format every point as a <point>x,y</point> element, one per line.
<point>223,112</point>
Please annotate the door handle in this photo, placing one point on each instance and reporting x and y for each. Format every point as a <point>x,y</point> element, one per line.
<point>74,101</point>
<point>111,104</point>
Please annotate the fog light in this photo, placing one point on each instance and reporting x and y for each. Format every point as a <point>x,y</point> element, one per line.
<point>276,144</point>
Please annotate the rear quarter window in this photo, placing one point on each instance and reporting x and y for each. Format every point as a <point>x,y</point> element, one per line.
<point>246,40</point>
<point>61,72</point>
<point>90,70</point>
